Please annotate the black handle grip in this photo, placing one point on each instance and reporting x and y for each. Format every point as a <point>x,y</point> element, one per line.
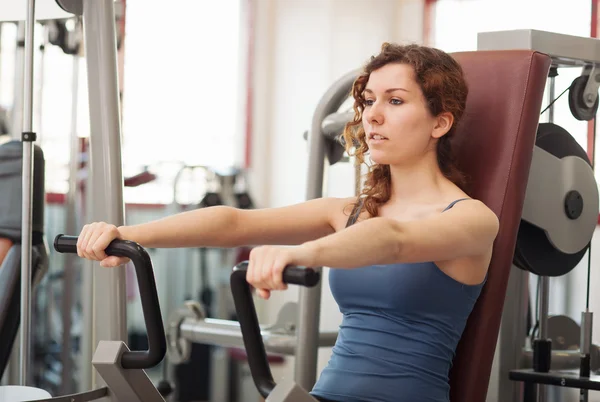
<point>157,342</point>
<point>246,312</point>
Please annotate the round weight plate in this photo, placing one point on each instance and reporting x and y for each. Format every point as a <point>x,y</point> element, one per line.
<point>533,251</point>
<point>579,109</point>
<point>564,332</point>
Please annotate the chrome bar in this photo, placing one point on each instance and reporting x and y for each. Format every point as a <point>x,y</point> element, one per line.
<point>228,334</point>
<point>309,299</point>
<point>27,192</point>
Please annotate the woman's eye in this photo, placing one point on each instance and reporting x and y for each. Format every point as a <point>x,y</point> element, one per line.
<point>396,101</point>
<point>369,102</point>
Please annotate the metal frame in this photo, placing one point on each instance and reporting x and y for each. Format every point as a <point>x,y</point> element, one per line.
<point>106,177</point>
<point>305,374</point>
<point>565,51</point>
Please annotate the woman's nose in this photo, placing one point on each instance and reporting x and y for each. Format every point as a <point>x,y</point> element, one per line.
<point>374,114</point>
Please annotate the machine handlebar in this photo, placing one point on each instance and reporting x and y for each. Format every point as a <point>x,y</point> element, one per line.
<point>249,325</point>
<point>157,343</point>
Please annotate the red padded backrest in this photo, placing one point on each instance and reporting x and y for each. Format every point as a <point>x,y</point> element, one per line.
<point>494,145</point>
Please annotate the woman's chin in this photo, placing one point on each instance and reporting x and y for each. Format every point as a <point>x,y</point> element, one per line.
<point>380,158</point>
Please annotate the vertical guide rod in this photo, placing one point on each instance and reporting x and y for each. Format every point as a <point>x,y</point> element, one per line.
<point>545,280</point>
<point>26,214</point>
<point>105,190</point>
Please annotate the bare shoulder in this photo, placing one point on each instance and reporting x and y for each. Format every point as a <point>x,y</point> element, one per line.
<point>341,210</point>
<point>476,212</point>
<point>476,218</point>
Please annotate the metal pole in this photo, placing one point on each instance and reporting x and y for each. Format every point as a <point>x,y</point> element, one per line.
<point>545,280</point>
<point>106,171</point>
<point>71,227</point>
<point>310,298</point>
<point>16,115</point>
<point>26,214</point>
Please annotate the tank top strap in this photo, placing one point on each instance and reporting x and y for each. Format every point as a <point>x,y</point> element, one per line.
<point>358,208</point>
<point>355,213</point>
<point>454,202</point>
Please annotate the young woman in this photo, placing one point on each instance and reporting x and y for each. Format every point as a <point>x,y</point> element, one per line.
<point>409,256</point>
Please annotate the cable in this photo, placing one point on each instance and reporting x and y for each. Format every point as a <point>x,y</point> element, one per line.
<point>555,99</point>
<point>587,298</point>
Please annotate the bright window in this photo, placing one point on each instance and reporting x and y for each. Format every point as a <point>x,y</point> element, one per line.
<point>182,96</point>
<point>184,88</point>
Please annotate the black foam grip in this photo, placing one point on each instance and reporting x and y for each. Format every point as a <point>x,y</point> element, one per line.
<point>300,276</point>
<point>157,343</point>
<point>249,325</point>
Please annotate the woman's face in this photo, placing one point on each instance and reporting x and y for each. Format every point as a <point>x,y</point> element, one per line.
<point>399,127</point>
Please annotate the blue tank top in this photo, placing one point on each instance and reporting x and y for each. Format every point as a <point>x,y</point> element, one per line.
<point>400,328</point>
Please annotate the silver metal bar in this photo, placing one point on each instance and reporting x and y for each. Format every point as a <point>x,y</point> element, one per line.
<point>543,325</point>
<point>26,217</point>
<point>86,396</point>
<point>106,172</point>
<point>512,334</point>
<point>228,334</point>
<point>542,390</point>
<point>334,124</point>
<point>71,227</point>
<point>565,50</point>
<point>125,385</point>
<point>305,372</point>
<point>586,332</point>
<point>40,89</point>
<point>16,115</point>
<point>86,375</point>
<point>551,94</point>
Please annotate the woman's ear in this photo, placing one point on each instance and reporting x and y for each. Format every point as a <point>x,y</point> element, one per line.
<point>443,124</point>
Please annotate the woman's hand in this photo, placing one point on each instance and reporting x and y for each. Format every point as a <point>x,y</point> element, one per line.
<point>93,240</point>
<point>266,264</point>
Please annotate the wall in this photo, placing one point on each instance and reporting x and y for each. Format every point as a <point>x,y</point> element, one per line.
<point>302,47</point>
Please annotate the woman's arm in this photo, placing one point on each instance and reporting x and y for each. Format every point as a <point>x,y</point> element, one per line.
<point>223,226</point>
<point>468,229</point>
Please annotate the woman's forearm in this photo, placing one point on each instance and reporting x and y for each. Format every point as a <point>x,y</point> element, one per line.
<point>374,241</point>
<point>205,227</point>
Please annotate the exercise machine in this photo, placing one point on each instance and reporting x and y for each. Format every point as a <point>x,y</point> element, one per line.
<point>105,320</point>
<point>494,146</point>
<point>287,391</point>
<point>11,240</point>
<point>558,222</point>
<point>121,368</point>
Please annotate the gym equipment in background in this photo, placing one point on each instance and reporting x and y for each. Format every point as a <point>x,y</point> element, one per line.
<point>11,164</point>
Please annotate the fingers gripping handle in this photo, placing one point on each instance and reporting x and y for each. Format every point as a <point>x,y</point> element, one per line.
<point>246,312</point>
<point>157,343</point>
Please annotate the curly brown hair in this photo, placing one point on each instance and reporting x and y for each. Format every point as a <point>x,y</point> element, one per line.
<point>444,87</point>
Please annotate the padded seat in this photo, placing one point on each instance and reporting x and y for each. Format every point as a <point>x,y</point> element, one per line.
<point>494,145</point>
